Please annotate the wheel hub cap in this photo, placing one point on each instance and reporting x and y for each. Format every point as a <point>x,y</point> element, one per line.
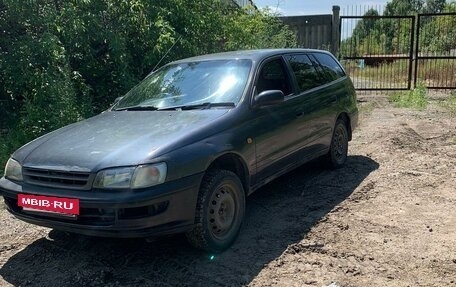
<point>221,209</point>
<point>339,143</point>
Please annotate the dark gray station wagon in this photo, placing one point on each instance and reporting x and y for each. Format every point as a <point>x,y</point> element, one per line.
<point>180,152</point>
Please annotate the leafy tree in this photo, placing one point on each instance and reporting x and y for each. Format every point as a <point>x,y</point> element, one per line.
<point>35,72</point>
<point>439,34</point>
<point>252,29</point>
<point>434,6</point>
<point>403,7</point>
<point>365,26</point>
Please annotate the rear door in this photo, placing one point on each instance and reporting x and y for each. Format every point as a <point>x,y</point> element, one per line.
<point>334,90</point>
<point>317,103</point>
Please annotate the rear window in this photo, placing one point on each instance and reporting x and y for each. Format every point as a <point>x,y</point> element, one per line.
<point>331,68</point>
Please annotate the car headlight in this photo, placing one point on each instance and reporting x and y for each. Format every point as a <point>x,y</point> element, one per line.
<point>149,175</point>
<point>131,177</point>
<point>13,170</point>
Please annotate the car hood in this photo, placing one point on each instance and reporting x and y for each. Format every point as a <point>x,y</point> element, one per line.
<point>117,138</point>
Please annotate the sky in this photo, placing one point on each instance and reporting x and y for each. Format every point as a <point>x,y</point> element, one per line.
<point>315,7</point>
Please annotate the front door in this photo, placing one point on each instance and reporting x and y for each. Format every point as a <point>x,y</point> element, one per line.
<point>275,126</point>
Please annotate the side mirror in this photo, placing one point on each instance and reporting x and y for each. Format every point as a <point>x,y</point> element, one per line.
<point>268,98</point>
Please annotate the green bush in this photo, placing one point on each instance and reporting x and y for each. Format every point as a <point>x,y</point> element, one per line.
<point>4,155</point>
<point>415,98</point>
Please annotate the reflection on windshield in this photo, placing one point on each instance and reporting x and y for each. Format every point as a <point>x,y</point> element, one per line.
<point>190,83</point>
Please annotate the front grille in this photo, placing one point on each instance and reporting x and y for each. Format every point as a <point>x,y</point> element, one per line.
<point>55,178</point>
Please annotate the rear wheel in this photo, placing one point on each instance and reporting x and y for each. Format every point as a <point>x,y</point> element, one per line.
<point>338,151</point>
<point>219,212</point>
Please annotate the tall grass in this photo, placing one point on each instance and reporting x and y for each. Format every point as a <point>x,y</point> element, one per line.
<point>384,76</point>
<point>437,72</point>
<point>433,73</point>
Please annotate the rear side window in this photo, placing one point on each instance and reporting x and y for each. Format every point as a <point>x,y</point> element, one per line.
<point>331,68</point>
<point>305,73</point>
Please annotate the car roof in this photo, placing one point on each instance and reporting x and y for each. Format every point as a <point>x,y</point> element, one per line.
<point>254,55</point>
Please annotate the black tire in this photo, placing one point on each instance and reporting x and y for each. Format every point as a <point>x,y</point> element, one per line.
<point>219,211</point>
<point>338,150</point>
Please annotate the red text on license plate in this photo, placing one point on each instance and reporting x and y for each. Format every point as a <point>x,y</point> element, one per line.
<point>48,203</point>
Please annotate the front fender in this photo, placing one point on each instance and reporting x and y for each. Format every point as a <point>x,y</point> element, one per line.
<point>198,156</point>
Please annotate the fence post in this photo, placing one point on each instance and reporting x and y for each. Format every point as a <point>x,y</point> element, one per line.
<point>335,30</point>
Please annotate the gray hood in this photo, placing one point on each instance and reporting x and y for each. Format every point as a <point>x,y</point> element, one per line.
<point>115,139</point>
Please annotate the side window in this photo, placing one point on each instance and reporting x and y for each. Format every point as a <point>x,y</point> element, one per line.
<point>273,77</point>
<point>305,73</point>
<point>331,68</point>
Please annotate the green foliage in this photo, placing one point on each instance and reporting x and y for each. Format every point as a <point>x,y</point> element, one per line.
<point>378,36</point>
<point>65,60</point>
<point>439,35</point>
<point>251,29</point>
<point>434,6</point>
<point>4,155</point>
<point>415,98</point>
<point>403,7</point>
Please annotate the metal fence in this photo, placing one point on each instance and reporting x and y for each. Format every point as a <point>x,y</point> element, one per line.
<point>399,52</point>
<point>435,51</point>
<point>378,60</point>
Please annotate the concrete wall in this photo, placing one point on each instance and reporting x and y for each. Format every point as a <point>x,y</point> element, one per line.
<point>242,3</point>
<point>316,31</point>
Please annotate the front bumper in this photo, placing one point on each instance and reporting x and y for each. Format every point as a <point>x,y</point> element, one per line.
<point>164,209</point>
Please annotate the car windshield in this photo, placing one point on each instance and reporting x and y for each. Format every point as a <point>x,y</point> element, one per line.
<point>198,84</point>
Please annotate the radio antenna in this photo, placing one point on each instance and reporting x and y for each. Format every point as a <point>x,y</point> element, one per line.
<point>167,52</point>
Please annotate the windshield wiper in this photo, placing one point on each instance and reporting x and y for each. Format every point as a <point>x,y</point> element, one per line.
<point>138,108</point>
<point>207,105</point>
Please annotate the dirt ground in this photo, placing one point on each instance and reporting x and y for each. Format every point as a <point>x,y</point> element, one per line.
<point>388,218</point>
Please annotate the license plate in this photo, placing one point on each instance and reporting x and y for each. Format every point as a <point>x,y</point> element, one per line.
<point>59,205</point>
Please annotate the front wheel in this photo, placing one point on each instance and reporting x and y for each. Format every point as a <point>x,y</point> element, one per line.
<point>219,212</point>
<point>338,151</point>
